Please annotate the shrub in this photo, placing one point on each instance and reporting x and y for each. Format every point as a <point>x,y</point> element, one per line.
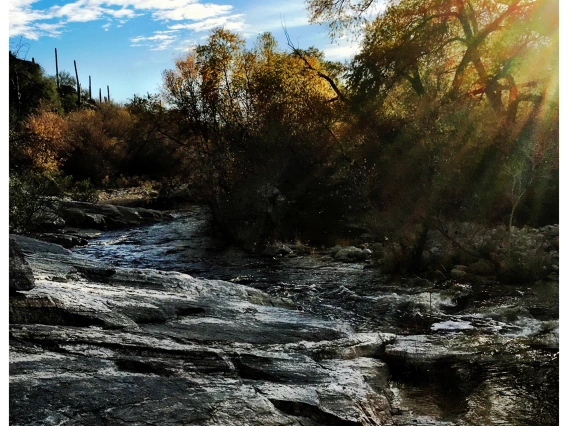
<point>29,201</point>
<point>34,195</point>
<point>95,140</point>
<point>521,256</point>
<point>45,144</point>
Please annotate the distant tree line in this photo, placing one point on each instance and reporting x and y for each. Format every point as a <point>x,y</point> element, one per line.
<point>448,112</point>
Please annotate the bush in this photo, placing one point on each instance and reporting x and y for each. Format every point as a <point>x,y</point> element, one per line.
<point>33,197</point>
<point>96,149</point>
<point>29,201</point>
<point>521,256</point>
<point>45,143</point>
<point>81,190</point>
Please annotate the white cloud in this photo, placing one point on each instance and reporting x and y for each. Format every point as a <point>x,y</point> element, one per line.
<point>77,12</point>
<point>180,19</point>
<point>193,12</point>
<point>230,22</point>
<point>22,17</point>
<point>186,46</point>
<point>159,41</point>
<point>122,14</point>
<point>336,52</point>
<point>29,21</point>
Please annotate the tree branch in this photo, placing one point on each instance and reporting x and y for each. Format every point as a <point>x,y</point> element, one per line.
<point>327,78</point>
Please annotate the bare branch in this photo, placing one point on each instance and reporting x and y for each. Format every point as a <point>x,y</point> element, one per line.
<point>327,78</point>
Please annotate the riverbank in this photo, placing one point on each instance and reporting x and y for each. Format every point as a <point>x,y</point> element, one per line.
<point>454,343</point>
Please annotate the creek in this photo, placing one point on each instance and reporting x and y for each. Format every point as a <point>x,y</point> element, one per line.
<point>465,354</point>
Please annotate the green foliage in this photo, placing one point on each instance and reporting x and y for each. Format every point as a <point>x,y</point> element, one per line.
<point>520,256</point>
<point>28,200</point>
<point>341,15</point>
<point>28,87</point>
<point>454,111</point>
<point>82,190</point>
<point>33,197</point>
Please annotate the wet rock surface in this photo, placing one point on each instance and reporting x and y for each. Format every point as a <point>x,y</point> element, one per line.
<point>107,216</point>
<point>93,343</point>
<point>73,223</point>
<point>290,338</point>
<point>21,276</point>
<point>485,347</point>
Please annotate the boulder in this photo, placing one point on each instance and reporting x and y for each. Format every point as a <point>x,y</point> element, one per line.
<point>21,275</point>
<point>63,239</point>
<point>81,219</point>
<point>274,250</point>
<point>335,249</point>
<point>482,268</point>
<point>50,221</point>
<point>107,216</point>
<point>352,254</point>
<point>458,274</point>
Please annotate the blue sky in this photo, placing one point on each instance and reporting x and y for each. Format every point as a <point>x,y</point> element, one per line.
<point>127,44</point>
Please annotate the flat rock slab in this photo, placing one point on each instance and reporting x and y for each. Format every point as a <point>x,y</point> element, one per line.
<point>93,344</point>
<point>107,216</point>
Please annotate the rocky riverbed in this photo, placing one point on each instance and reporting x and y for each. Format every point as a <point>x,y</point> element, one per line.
<point>159,324</point>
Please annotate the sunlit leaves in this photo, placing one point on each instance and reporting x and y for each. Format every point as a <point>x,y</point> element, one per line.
<point>45,140</point>
<point>456,97</point>
<point>253,118</point>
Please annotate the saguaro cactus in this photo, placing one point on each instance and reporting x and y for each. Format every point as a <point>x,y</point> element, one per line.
<point>78,85</point>
<point>56,69</point>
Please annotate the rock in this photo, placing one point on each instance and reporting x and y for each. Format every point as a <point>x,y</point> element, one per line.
<point>31,245</point>
<point>274,250</point>
<point>81,219</point>
<point>301,249</point>
<point>65,240</point>
<point>21,276</point>
<point>436,276</point>
<point>94,344</point>
<point>51,221</point>
<point>107,216</point>
<point>377,249</point>
<point>335,249</point>
<point>352,254</point>
<point>458,274</point>
<point>482,267</point>
<point>551,231</point>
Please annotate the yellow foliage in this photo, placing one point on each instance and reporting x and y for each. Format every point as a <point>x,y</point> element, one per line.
<point>46,140</point>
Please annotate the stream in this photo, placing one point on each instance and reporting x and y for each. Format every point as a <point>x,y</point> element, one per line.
<point>483,354</point>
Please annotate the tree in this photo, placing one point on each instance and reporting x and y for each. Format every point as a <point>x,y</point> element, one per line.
<point>446,96</point>
<point>256,122</point>
<point>28,87</point>
<point>152,145</point>
<point>341,15</point>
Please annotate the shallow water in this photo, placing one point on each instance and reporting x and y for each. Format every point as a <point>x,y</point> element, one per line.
<point>484,356</point>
